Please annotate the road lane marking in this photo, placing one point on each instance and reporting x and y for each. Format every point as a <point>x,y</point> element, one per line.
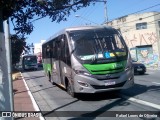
<point>156,83</point>
<point>141,102</point>
<point>35,106</point>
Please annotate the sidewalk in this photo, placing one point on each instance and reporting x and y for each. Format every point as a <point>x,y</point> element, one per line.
<point>22,100</point>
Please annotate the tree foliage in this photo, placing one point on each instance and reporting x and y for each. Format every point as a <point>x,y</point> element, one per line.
<point>23,12</point>
<point>18,45</point>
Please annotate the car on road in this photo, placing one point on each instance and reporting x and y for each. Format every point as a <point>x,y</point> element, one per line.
<point>139,68</point>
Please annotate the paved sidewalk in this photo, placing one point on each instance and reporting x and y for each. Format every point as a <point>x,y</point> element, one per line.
<point>22,100</point>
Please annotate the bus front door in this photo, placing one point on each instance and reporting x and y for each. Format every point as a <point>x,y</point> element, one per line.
<point>57,65</point>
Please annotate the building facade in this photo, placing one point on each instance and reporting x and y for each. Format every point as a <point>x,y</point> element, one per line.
<point>38,50</point>
<point>142,35</point>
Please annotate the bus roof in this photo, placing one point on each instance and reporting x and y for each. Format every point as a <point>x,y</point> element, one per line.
<point>78,28</point>
<point>87,27</point>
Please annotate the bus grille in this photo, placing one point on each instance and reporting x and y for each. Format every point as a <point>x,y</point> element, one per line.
<point>108,78</point>
<point>103,72</point>
<point>117,69</point>
<point>110,86</point>
<point>105,77</point>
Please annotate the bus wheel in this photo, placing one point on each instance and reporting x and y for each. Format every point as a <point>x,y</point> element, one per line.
<point>70,90</point>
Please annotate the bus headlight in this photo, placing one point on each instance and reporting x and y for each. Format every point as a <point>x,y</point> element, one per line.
<point>83,83</point>
<point>82,72</point>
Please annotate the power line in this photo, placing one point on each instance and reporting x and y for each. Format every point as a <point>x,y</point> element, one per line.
<point>145,9</point>
<point>86,16</point>
<point>139,11</point>
<point>84,13</point>
<point>149,23</point>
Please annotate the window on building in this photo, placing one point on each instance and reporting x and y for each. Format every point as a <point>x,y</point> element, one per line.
<point>140,26</point>
<point>159,24</point>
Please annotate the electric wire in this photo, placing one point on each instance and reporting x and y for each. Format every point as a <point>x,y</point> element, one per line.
<point>149,23</point>
<point>84,14</point>
<point>139,11</point>
<point>136,20</point>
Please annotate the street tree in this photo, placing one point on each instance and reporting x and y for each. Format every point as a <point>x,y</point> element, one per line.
<point>24,13</point>
<point>18,46</point>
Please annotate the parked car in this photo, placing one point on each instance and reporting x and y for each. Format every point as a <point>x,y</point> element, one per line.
<point>139,68</point>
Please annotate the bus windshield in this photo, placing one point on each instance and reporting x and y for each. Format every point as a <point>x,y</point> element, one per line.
<point>99,44</point>
<point>30,59</point>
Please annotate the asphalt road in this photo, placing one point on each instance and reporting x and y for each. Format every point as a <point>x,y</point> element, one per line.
<point>143,98</point>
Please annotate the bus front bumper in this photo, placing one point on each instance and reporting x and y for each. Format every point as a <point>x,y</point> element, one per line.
<point>31,66</point>
<point>85,84</point>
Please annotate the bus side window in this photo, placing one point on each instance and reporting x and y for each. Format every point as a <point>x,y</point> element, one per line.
<point>62,46</point>
<point>67,53</point>
<point>49,51</point>
<point>54,52</point>
<point>43,52</point>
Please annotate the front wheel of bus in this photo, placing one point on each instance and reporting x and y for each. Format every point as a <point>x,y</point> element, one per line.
<point>70,91</point>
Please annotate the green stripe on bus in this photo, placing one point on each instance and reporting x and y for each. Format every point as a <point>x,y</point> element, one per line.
<point>47,67</point>
<point>105,68</point>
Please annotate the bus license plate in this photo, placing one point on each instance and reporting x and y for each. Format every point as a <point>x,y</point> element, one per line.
<point>107,83</point>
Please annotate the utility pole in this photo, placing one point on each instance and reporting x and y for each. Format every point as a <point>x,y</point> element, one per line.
<point>5,97</point>
<point>105,11</point>
<point>9,60</point>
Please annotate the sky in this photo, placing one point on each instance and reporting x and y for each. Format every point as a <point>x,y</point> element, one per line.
<point>93,14</point>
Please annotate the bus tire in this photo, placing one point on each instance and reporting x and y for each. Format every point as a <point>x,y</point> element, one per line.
<point>70,91</point>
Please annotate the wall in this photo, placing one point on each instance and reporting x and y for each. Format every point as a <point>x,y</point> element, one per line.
<point>38,50</point>
<point>142,38</point>
<point>145,55</point>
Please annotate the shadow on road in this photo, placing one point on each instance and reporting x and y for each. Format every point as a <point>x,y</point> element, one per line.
<point>33,77</point>
<point>30,70</point>
<point>138,89</point>
<point>98,96</point>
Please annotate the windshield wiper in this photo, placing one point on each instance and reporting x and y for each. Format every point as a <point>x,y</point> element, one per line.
<point>94,59</point>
